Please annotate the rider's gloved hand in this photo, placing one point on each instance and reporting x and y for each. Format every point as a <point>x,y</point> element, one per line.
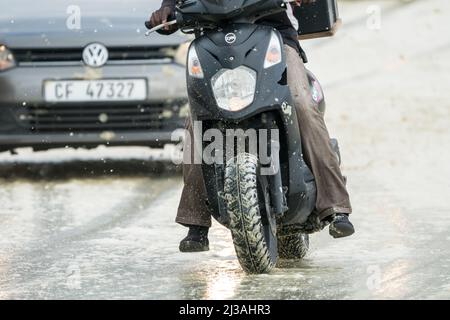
<point>160,16</point>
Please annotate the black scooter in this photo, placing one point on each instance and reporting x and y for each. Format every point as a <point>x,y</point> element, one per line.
<point>259,187</point>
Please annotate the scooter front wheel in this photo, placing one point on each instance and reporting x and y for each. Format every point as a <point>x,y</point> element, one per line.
<point>253,238</point>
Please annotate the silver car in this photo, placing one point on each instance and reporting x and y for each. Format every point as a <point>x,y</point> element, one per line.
<point>81,73</point>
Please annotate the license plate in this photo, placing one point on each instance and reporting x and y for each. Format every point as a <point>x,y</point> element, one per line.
<point>95,90</point>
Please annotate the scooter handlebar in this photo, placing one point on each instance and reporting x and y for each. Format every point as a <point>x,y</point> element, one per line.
<point>158,27</point>
<point>174,22</point>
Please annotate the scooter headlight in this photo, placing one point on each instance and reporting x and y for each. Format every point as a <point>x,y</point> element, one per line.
<point>7,60</point>
<point>273,54</point>
<point>234,89</point>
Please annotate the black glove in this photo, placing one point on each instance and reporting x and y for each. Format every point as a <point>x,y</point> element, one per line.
<point>160,16</point>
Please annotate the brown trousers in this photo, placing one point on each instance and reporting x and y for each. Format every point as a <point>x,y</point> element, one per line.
<point>332,196</point>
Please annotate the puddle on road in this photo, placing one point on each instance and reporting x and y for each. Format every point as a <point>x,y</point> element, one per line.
<point>116,238</point>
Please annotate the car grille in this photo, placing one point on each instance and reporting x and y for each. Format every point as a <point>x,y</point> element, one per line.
<point>76,118</point>
<point>75,54</point>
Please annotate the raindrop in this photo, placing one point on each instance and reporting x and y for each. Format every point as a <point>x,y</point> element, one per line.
<point>103,118</point>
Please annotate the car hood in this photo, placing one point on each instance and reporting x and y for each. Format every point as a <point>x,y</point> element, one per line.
<point>76,23</point>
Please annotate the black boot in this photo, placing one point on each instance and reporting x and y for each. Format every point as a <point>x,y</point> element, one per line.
<point>196,240</point>
<point>341,226</point>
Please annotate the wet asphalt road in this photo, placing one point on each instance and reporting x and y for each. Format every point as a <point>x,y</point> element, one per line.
<point>97,224</point>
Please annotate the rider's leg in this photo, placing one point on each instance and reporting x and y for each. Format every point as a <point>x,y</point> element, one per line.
<point>332,195</point>
<point>192,210</point>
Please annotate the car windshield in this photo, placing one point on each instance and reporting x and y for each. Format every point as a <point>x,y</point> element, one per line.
<point>49,8</point>
<point>25,14</point>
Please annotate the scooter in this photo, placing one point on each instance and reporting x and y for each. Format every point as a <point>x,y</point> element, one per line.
<point>260,187</point>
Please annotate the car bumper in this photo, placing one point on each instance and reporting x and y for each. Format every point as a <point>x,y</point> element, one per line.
<point>27,120</point>
<point>24,84</point>
<point>85,140</point>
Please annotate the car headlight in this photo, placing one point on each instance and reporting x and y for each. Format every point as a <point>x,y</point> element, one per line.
<point>181,53</point>
<point>234,89</point>
<point>273,53</point>
<point>7,60</point>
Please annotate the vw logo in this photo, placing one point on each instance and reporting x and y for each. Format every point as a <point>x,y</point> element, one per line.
<point>230,38</point>
<point>95,55</point>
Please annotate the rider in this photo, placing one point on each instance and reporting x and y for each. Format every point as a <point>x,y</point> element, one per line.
<point>333,202</point>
